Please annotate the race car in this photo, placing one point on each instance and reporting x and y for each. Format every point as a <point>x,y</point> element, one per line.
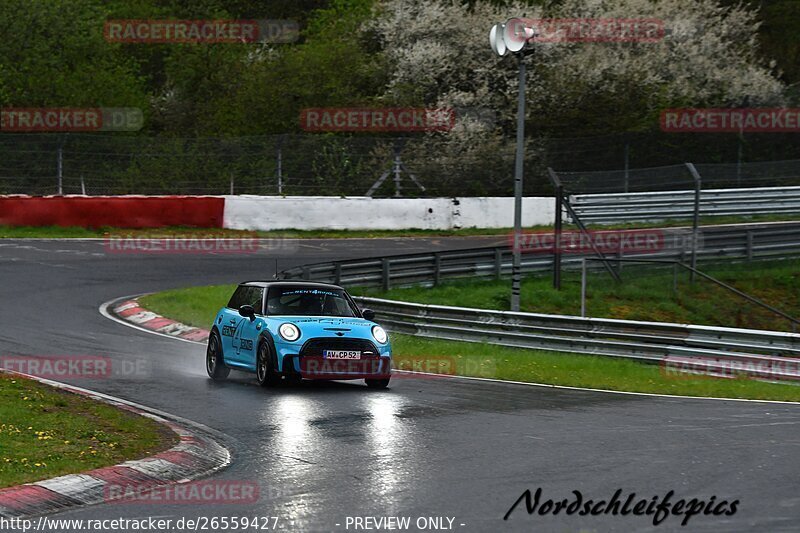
<point>286,330</point>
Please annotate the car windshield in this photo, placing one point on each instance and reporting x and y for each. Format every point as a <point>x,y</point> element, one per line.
<point>305,301</point>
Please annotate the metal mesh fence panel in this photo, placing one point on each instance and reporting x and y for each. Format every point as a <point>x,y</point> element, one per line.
<point>349,165</point>
<point>673,177</point>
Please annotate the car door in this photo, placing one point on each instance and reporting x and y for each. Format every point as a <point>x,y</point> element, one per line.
<point>230,321</point>
<point>244,338</point>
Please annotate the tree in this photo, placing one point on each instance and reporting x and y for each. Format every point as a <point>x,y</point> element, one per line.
<point>54,54</point>
<point>709,57</point>
<point>332,65</point>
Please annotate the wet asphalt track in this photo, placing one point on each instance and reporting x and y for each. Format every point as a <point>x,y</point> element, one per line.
<point>426,447</point>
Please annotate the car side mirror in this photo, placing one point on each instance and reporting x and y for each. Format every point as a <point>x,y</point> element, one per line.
<point>247,311</point>
<point>368,314</point>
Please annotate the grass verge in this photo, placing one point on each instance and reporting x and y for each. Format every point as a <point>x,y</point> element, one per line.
<point>576,370</point>
<point>46,432</point>
<point>197,305</point>
<point>58,232</point>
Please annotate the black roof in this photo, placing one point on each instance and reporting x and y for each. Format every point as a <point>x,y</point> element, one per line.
<point>298,283</point>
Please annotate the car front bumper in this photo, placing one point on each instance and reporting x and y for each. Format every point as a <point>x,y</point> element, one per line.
<point>311,367</point>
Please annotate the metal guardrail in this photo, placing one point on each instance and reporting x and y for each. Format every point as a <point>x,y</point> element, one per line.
<point>766,354</point>
<point>627,207</point>
<point>743,242</point>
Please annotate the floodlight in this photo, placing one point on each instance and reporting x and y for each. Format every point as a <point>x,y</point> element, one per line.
<point>516,34</point>
<point>496,39</point>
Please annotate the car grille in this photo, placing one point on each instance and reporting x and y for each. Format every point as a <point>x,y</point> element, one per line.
<point>315,347</point>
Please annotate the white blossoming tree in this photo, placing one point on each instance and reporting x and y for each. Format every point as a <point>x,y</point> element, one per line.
<point>440,56</point>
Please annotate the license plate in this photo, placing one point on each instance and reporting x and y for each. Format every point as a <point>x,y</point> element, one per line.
<point>342,354</point>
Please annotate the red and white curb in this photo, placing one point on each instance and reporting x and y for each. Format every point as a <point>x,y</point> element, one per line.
<point>129,310</point>
<point>197,455</point>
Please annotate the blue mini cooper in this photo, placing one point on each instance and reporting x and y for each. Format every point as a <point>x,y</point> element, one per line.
<point>295,330</point>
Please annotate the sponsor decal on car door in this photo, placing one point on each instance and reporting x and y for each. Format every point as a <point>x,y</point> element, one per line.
<point>238,338</point>
<point>244,341</point>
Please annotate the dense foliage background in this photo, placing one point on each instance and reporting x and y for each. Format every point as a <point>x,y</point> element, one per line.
<point>591,106</point>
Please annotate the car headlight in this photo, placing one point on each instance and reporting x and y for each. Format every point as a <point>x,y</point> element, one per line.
<point>289,332</point>
<point>380,334</point>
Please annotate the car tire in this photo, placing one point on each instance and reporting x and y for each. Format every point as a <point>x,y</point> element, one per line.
<point>265,366</point>
<point>377,383</point>
<point>215,359</point>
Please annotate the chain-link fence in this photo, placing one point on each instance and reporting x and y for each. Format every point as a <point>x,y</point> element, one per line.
<point>657,149</point>
<point>679,177</point>
<point>412,166</point>
<point>274,165</point>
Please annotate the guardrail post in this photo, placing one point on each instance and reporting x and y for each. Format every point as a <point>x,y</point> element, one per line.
<point>306,273</point>
<point>437,268</point>
<point>750,239</point>
<point>627,165</point>
<point>620,255</point>
<point>337,273</point>
<point>279,165</point>
<point>60,166</point>
<point>583,287</point>
<point>498,262</point>
<point>558,225</point>
<point>698,185</point>
<point>675,279</point>
<point>385,283</point>
<point>584,231</point>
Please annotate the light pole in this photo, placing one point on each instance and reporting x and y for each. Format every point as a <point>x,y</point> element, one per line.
<point>514,36</point>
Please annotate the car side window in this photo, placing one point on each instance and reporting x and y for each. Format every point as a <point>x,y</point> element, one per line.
<point>255,298</point>
<point>239,297</point>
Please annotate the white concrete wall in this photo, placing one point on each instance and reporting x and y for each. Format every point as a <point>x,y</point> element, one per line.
<point>498,212</point>
<point>362,213</point>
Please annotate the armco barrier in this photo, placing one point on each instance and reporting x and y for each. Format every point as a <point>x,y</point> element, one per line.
<point>116,211</point>
<point>648,206</point>
<point>763,354</point>
<point>727,242</point>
